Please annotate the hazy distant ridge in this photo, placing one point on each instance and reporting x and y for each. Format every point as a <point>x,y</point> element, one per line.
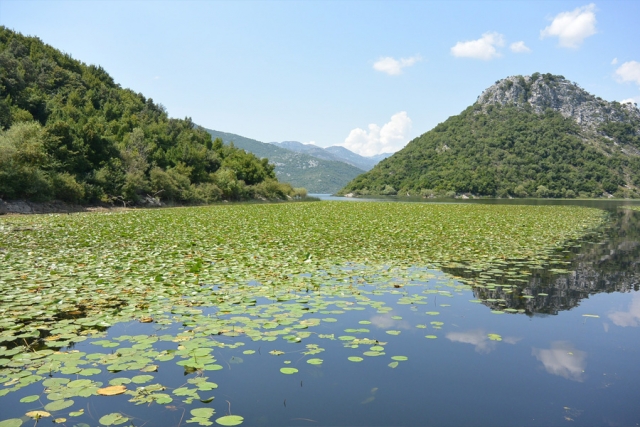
<point>335,152</point>
<point>316,174</point>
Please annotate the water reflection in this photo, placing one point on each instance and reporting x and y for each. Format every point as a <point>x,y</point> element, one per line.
<point>630,317</point>
<point>477,338</point>
<point>386,321</point>
<point>483,342</point>
<point>610,263</point>
<point>563,359</point>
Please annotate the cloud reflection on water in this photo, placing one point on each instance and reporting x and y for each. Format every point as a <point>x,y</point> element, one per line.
<point>630,317</point>
<point>477,338</point>
<point>480,339</point>
<point>563,359</point>
<point>385,321</point>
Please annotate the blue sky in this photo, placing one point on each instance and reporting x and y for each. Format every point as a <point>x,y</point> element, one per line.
<point>370,75</point>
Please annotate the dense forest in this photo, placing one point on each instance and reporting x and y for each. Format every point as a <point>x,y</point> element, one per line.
<point>506,151</point>
<point>69,132</point>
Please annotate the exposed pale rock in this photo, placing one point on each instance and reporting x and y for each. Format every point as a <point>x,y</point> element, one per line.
<point>542,91</point>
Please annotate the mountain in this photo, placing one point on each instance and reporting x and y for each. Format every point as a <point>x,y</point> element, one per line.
<point>362,162</point>
<point>317,175</point>
<point>335,152</point>
<point>525,136</point>
<point>310,149</point>
<point>69,132</point>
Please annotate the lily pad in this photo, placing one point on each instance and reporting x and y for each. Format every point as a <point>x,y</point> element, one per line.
<point>141,379</point>
<point>288,371</point>
<point>230,420</point>
<point>112,390</point>
<point>36,415</point>
<point>113,419</point>
<point>58,405</point>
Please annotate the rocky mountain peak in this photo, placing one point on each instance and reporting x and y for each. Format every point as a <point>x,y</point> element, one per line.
<point>542,91</point>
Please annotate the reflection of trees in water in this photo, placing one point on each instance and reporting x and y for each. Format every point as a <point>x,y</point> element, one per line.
<point>611,264</point>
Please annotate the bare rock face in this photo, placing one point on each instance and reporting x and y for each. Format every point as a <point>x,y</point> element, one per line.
<point>542,91</point>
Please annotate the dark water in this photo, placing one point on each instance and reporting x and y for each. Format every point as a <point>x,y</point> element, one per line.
<point>568,353</point>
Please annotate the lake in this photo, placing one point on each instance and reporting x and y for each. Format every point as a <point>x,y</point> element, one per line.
<point>480,341</point>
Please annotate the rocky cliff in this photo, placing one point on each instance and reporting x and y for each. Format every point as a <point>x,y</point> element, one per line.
<point>540,92</point>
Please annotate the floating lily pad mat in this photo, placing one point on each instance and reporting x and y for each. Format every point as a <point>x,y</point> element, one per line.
<point>193,314</point>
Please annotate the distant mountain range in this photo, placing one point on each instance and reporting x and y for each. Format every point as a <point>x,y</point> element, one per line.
<point>319,170</point>
<point>334,152</point>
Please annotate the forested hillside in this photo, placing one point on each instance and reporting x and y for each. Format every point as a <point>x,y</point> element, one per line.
<point>301,170</point>
<point>533,136</point>
<point>69,132</point>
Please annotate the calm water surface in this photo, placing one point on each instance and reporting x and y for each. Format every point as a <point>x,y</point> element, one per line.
<point>538,350</point>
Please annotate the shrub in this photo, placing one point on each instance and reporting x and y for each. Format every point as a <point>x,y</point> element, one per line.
<point>66,188</point>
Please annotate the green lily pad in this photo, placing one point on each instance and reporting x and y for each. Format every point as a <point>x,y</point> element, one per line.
<point>29,399</point>
<point>230,420</point>
<point>58,405</point>
<point>314,361</point>
<point>202,412</point>
<point>355,359</point>
<point>79,383</point>
<point>113,419</point>
<point>141,379</point>
<point>288,371</point>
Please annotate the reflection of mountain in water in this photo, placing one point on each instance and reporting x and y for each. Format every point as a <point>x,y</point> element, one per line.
<point>611,264</point>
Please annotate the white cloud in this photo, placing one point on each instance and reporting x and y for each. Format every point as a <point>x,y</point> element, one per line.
<point>392,66</point>
<point>484,48</point>
<point>629,72</point>
<point>614,61</point>
<point>563,359</point>
<point>389,138</point>
<point>573,27</point>
<point>630,317</point>
<point>519,47</point>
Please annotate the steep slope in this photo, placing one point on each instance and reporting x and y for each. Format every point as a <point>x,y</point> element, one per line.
<point>68,131</point>
<point>535,136</point>
<point>298,169</point>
